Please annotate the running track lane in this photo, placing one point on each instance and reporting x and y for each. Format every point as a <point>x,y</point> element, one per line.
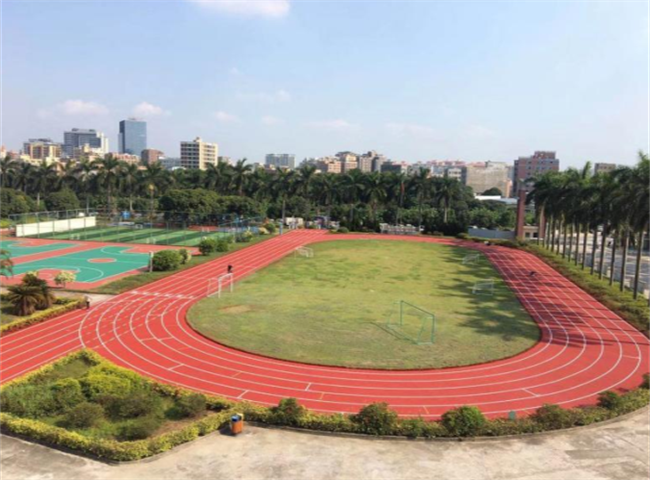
<point>585,348</point>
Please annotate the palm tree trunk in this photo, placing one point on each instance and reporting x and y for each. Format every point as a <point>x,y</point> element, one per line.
<point>564,240</point>
<point>577,244</point>
<point>601,266</point>
<point>553,236</point>
<point>594,245</point>
<point>584,246</point>
<point>38,200</point>
<point>624,260</point>
<point>637,271</point>
<point>570,247</point>
<point>612,261</point>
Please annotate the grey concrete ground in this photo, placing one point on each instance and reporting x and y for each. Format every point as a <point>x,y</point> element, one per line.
<point>613,451</point>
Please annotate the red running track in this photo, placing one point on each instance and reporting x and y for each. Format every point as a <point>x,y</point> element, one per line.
<point>585,348</point>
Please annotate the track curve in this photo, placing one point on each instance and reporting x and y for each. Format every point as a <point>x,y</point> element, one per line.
<point>585,348</point>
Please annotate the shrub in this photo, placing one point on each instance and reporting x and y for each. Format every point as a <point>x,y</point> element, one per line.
<point>244,237</point>
<point>84,415</point>
<point>166,260</point>
<point>262,231</point>
<point>270,227</point>
<point>610,400</point>
<point>32,401</point>
<point>437,234</point>
<point>343,230</point>
<point>646,381</point>
<point>464,421</point>
<point>41,316</point>
<point>63,278</point>
<point>186,256</point>
<point>67,393</point>
<point>191,405</point>
<point>207,246</point>
<point>462,236</point>
<point>289,411</point>
<point>223,245</point>
<point>140,428</point>
<point>138,404</point>
<point>96,386</point>
<point>376,419</point>
<point>553,417</point>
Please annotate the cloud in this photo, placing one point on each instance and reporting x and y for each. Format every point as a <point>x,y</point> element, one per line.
<point>271,120</point>
<point>223,117</point>
<point>337,124</point>
<point>273,97</point>
<point>74,107</point>
<point>412,129</point>
<point>263,8</point>
<point>146,109</point>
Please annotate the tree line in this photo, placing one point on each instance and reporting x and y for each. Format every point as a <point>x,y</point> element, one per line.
<point>360,201</point>
<point>612,207</point>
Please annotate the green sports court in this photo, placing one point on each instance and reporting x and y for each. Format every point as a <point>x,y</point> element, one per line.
<point>90,266</point>
<point>21,248</point>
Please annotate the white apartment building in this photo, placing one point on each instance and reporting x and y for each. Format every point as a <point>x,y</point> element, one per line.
<point>198,154</point>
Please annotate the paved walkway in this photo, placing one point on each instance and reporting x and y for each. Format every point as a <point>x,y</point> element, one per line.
<point>614,451</point>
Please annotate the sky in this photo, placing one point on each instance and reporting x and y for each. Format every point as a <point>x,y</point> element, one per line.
<point>414,80</point>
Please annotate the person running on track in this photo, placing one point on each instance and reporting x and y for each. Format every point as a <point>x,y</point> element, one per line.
<point>229,269</point>
<point>87,299</point>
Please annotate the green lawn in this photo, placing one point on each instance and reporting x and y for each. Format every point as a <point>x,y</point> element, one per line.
<point>331,309</point>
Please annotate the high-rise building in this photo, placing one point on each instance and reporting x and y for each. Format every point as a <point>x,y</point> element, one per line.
<point>150,155</point>
<point>281,160</point>
<point>42,149</point>
<point>482,176</point>
<point>198,154</point>
<point>527,167</point>
<point>78,137</point>
<point>132,138</point>
<point>604,167</point>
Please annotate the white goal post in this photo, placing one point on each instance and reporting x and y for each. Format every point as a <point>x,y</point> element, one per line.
<point>483,286</point>
<point>304,252</point>
<point>471,258</point>
<point>217,285</point>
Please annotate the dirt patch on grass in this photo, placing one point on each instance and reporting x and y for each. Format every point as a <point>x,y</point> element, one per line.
<point>236,309</point>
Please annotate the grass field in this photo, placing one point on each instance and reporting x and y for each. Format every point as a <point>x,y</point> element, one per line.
<point>331,309</point>
<point>122,234</point>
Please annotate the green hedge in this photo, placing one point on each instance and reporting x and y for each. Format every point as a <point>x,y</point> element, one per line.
<point>374,419</point>
<point>62,305</point>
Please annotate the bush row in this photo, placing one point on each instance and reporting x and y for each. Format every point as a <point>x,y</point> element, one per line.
<point>61,306</point>
<point>374,419</point>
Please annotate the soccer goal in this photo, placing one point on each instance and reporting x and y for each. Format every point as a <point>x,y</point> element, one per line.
<point>304,252</point>
<point>412,323</point>
<point>471,259</point>
<point>217,285</point>
<point>483,286</point>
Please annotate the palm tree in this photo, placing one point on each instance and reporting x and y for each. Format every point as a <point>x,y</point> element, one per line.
<point>282,186</point>
<point>326,186</point>
<point>108,176</point>
<point>376,192</point>
<point>638,199</point>
<point>154,178</point>
<point>7,169</point>
<point>447,191</point>
<point>421,184</point>
<point>23,176</point>
<point>353,185</point>
<point>129,180</point>
<point>67,176</point>
<point>85,174</point>
<point>305,178</point>
<point>240,172</point>
<point>6,264</point>
<point>24,298</point>
<point>44,178</point>
<point>47,298</point>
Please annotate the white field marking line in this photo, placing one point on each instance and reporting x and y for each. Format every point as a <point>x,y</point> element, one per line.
<point>528,391</point>
<point>242,394</point>
<point>218,348</point>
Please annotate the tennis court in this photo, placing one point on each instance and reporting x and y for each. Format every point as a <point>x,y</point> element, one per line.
<point>89,266</point>
<point>21,248</point>
<point>131,234</point>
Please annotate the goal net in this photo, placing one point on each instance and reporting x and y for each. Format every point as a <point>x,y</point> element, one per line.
<point>218,285</point>
<point>471,259</point>
<point>304,252</point>
<point>483,286</point>
<point>412,323</point>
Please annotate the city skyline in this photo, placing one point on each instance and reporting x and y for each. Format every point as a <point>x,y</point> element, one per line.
<point>494,89</point>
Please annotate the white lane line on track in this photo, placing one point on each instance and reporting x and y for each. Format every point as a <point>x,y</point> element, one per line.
<point>528,391</point>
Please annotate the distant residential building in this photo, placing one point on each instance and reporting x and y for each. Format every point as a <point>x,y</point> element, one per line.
<point>604,167</point>
<point>440,168</point>
<point>127,158</point>
<point>370,161</point>
<point>394,167</point>
<point>151,155</point>
<point>42,149</point>
<point>132,138</point>
<point>526,167</point>
<point>281,160</point>
<point>198,154</point>
<point>482,176</point>
<point>78,137</point>
<point>170,163</point>
<point>325,164</point>
<point>86,152</point>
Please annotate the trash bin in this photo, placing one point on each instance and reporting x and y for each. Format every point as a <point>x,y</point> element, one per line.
<point>237,423</point>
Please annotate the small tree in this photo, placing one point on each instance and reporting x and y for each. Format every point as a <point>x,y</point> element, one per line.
<point>463,421</point>
<point>186,256</point>
<point>24,299</point>
<point>6,264</point>
<point>63,278</point>
<point>208,246</point>
<point>166,260</point>
<point>376,419</point>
